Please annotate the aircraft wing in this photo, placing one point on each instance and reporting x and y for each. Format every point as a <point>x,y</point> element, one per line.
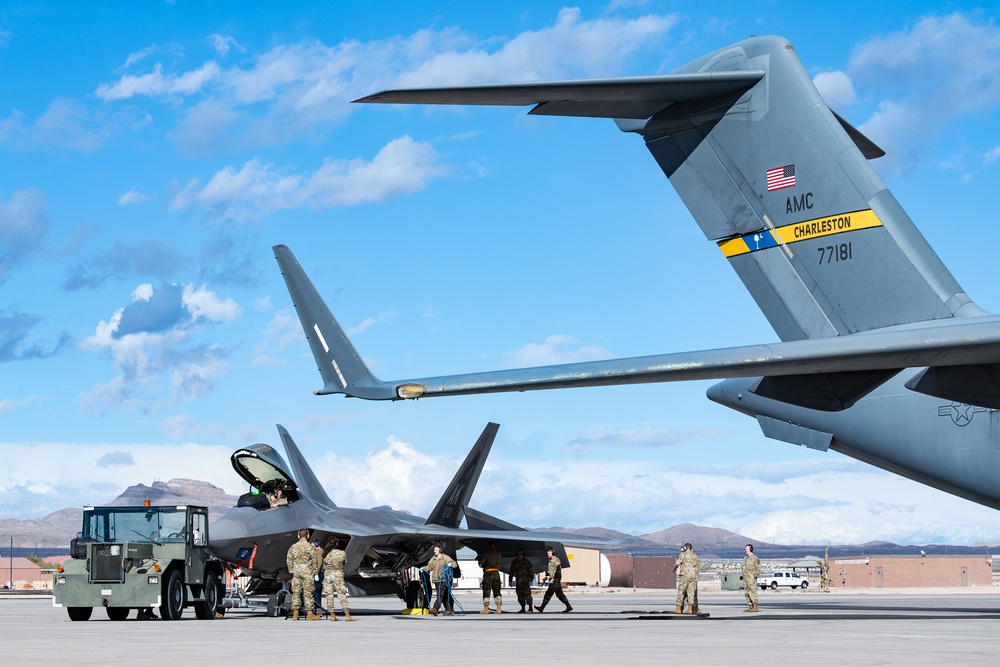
<point>635,98</point>
<point>829,373</point>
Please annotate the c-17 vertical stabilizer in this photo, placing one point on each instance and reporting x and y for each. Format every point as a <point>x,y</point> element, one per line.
<point>882,354</point>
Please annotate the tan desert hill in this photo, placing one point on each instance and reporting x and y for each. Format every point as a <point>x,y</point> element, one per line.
<point>702,537</point>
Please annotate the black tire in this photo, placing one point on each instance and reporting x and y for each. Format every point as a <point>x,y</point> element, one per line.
<point>173,597</point>
<point>805,585</point>
<point>79,613</point>
<point>206,610</point>
<point>118,613</point>
<point>774,585</point>
<point>276,604</point>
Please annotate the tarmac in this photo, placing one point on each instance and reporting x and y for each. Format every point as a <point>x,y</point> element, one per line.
<point>606,626</point>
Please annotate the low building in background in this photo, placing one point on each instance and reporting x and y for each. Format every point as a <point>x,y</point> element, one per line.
<point>911,571</point>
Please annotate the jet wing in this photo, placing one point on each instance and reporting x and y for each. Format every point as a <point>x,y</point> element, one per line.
<point>845,367</point>
<point>635,98</point>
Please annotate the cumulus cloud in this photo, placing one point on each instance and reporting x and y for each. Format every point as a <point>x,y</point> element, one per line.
<point>402,166</point>
<point>66,124</point>
<point>836,88</point>
<point>940,69</point>
<point>557,349</point>
<point>150,338</point>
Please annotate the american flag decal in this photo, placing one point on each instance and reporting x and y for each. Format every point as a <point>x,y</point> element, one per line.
<point>781,177</point>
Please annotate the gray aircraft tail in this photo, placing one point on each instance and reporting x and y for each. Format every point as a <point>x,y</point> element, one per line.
<point>772,175</point>
<point>308,485</point>
<point>452,506</point>
<point>340,365</point>
<point>784,187</point>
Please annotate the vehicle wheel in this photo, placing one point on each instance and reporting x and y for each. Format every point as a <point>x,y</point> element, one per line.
<point>79,613</point>
<point>173,597</point>
<point>805,585</point>
<point>276,604</point>
<point>206,610</point>
<point>774,585</point>
<point>118,613</point>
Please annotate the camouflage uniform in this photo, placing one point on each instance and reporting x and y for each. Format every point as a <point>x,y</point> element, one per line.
<point>301,562</point>
<point>490,562</point>
<point>751,570</point>
<point>333,582</point>
<point>435,566</point>
<point>688,565</point>
<point>523,573</point>
<point>555,584</point>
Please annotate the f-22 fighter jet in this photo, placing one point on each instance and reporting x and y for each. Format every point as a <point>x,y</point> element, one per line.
<point>381,544</point>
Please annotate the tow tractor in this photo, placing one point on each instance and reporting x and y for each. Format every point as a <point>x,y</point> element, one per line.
<point>140,558</point>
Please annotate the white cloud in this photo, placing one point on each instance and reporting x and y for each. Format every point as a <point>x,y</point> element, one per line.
<point>941,69</point>
<point>156,83</point>
<point>836,89</point>
<point>223,43</point>
<point>557,349</point>
<point>203,304</point>
<point>133,196</point>
<point>383,316</point>
<point>402,166</point>
<point>992,155</point>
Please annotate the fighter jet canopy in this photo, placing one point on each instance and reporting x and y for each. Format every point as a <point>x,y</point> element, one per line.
<point>262,466</point>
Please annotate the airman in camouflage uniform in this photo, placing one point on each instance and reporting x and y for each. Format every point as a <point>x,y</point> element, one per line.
<point>489,560</point>
<point>751,570</point>
<point>333,566</point>
<point>689,565</point>
<point>554,576</point>
<point>523,573</point>
<point>441,586</point>
<point>301,561</point>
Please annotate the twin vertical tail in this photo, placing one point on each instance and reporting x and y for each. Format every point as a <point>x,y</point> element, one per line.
<point>451,508</point>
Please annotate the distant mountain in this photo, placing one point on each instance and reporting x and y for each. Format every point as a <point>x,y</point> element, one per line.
<point>702,537</point>
<point>58,528</point>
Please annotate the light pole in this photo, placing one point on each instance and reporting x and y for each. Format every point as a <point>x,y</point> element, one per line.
<point>10,554</point>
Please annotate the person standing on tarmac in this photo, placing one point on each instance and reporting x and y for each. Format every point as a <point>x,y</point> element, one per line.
<point>751,570</point>
<point>333,580</point>
<point>301,561</point>
<point>436,566</point>
<point>687,589</point>
<point>489,560</point>
<point>554,577</point>
<point>523,573</point>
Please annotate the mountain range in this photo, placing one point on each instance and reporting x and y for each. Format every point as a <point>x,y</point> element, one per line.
<point>51,534</point>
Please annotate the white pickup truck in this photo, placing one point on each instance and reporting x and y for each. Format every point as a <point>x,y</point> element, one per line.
<point>782,578</point>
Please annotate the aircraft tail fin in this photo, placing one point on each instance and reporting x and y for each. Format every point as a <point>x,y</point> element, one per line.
<point>773,176</point>
<point>782,184</point>
<point>482,521</point>
<point>308,485</point>
<point>341,367</point>
<point>452,506</point>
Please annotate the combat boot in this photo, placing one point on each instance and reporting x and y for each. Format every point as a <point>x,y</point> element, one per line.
<point>312,617</point>
<point>522,609</point>
<point>695,611</point>
<point>568,608</point>
<point>295,614</point>
<point>486,607</point>
<point>333,617</point>
<point>540,609</point>
<point>678,609</point>
<point>498,606</point>
<point>347,615</point>
<point>529,608</point>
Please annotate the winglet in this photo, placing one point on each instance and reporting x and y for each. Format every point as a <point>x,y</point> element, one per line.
<point>341,367</point>
<point>451,508</point>
<point>305,478</point>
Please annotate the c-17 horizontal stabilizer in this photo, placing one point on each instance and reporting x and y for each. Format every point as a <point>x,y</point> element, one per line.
<point>452,506</point>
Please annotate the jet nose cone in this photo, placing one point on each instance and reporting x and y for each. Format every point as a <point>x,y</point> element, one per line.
<point>731,393</point>
<point>224,534</point>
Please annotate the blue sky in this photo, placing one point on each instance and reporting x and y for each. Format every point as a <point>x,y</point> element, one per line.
<point>152,154</point>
